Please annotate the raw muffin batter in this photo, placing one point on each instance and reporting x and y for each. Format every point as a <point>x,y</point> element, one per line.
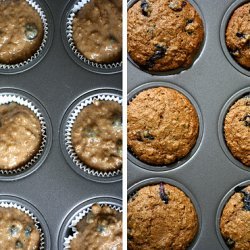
<point>164,34</point>
<point>97,135</point>
<point>21,31</point>
<point>101,229</point>
<point>17,230</point>
<point>161,217</point>
<point>162,126</point>
<point>235,220</point>
<point>238,35</point>
<point>97,31</point>
<point>20,138</point>
<point>237,130</point>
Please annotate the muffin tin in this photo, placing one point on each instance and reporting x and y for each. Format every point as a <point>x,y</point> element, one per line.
<point>215,84</point>
<point>54,84</point>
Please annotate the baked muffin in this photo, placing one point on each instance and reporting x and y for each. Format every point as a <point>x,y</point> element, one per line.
<point>97,31</point>
<point>235,220</point>
<point>161,216</point>
<point>162,126</point>
<point>164,34</point>
<point>21,31</point>
<point>101,229</point>
<point>21,135</point>
<point>238,35</point>
<point>97,135</point>
<point>17,230</point>
<point>237,130</point>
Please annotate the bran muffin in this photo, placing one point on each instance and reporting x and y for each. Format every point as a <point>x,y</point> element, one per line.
<point>97,31</point>
<point>238,35</point>
<point>235,220</point>
<point>17,230</point>
<point>97,135</point>
<point>21,31</point>
<point>161,216</point>
<point>164,34</point>
<point>21,135</point>
<point>163,126</point>
<point>101,229</point>
<point>237,130</point>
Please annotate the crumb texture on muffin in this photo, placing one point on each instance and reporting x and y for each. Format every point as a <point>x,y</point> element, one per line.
<point>161,217</point>
<point>97,31</point>
<point>21,135</point>
<point>100,229</point>
<point>235,220</point>
<point>237,130</point>
<point>21,31</point>
<point>97,135</point>
<point>238,35</point>
<point>163,126</point>
<point>17,230</point>
<point>164,34</point>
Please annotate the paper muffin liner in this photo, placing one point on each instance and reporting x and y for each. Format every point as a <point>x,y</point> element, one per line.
<point>80,215</point>
<point>8,98</point>
<point>69,34</point>
<point>68,129</point>
<point>12,204</point>
<point>43,17</point>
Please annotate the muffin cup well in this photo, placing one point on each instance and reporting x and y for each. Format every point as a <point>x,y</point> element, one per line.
<point>236,4</point>
<point>43,10</point>
<point>132,157</point>
<point>24,99</point>
<point>66,128</point>
<point>240,94</point>
<point>41,225</point>
<point>156,180</point>
<point>220,209</point>
<point>68,229</point>
<point>67,35</point>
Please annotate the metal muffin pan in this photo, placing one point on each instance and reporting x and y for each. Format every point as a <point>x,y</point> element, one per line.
<point>55,82</point>
<point>212,81</point>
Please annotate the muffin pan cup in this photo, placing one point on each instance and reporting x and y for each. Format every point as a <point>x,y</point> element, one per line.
<point>67,36</point>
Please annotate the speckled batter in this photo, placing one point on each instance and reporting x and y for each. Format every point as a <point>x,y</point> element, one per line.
<point>162,126</point>
<point>97,135</point>
<point>238,35</point>
<point>97,31</point>
<point>237,130</point>
<point>161,217</point>
<point>20,138</point>
<point>164,34</point>
<point>17,230</point>
<point>101,229</point>
<point>235,220</point>
<point>21,31</point>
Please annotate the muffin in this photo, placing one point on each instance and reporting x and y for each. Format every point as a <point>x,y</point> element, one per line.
<point>97,135</point>
<point>238,35</point>
<point>161,216</point>
<point>101,229</point>
<point>21,31</point>
<point>21,135</point>
<point>97,31</point>
<point>163,126</point>
<point>235,220</point>
<point>164,34</point>
<point>237,130</point>
<point>17,230</point>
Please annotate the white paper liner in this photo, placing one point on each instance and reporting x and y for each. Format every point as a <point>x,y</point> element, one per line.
<point>8,98</point>
<point>31,215</point>
<point>69,125</point>
<point>82,213</point>
<point>45,36</point>
<point>69,33</point>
